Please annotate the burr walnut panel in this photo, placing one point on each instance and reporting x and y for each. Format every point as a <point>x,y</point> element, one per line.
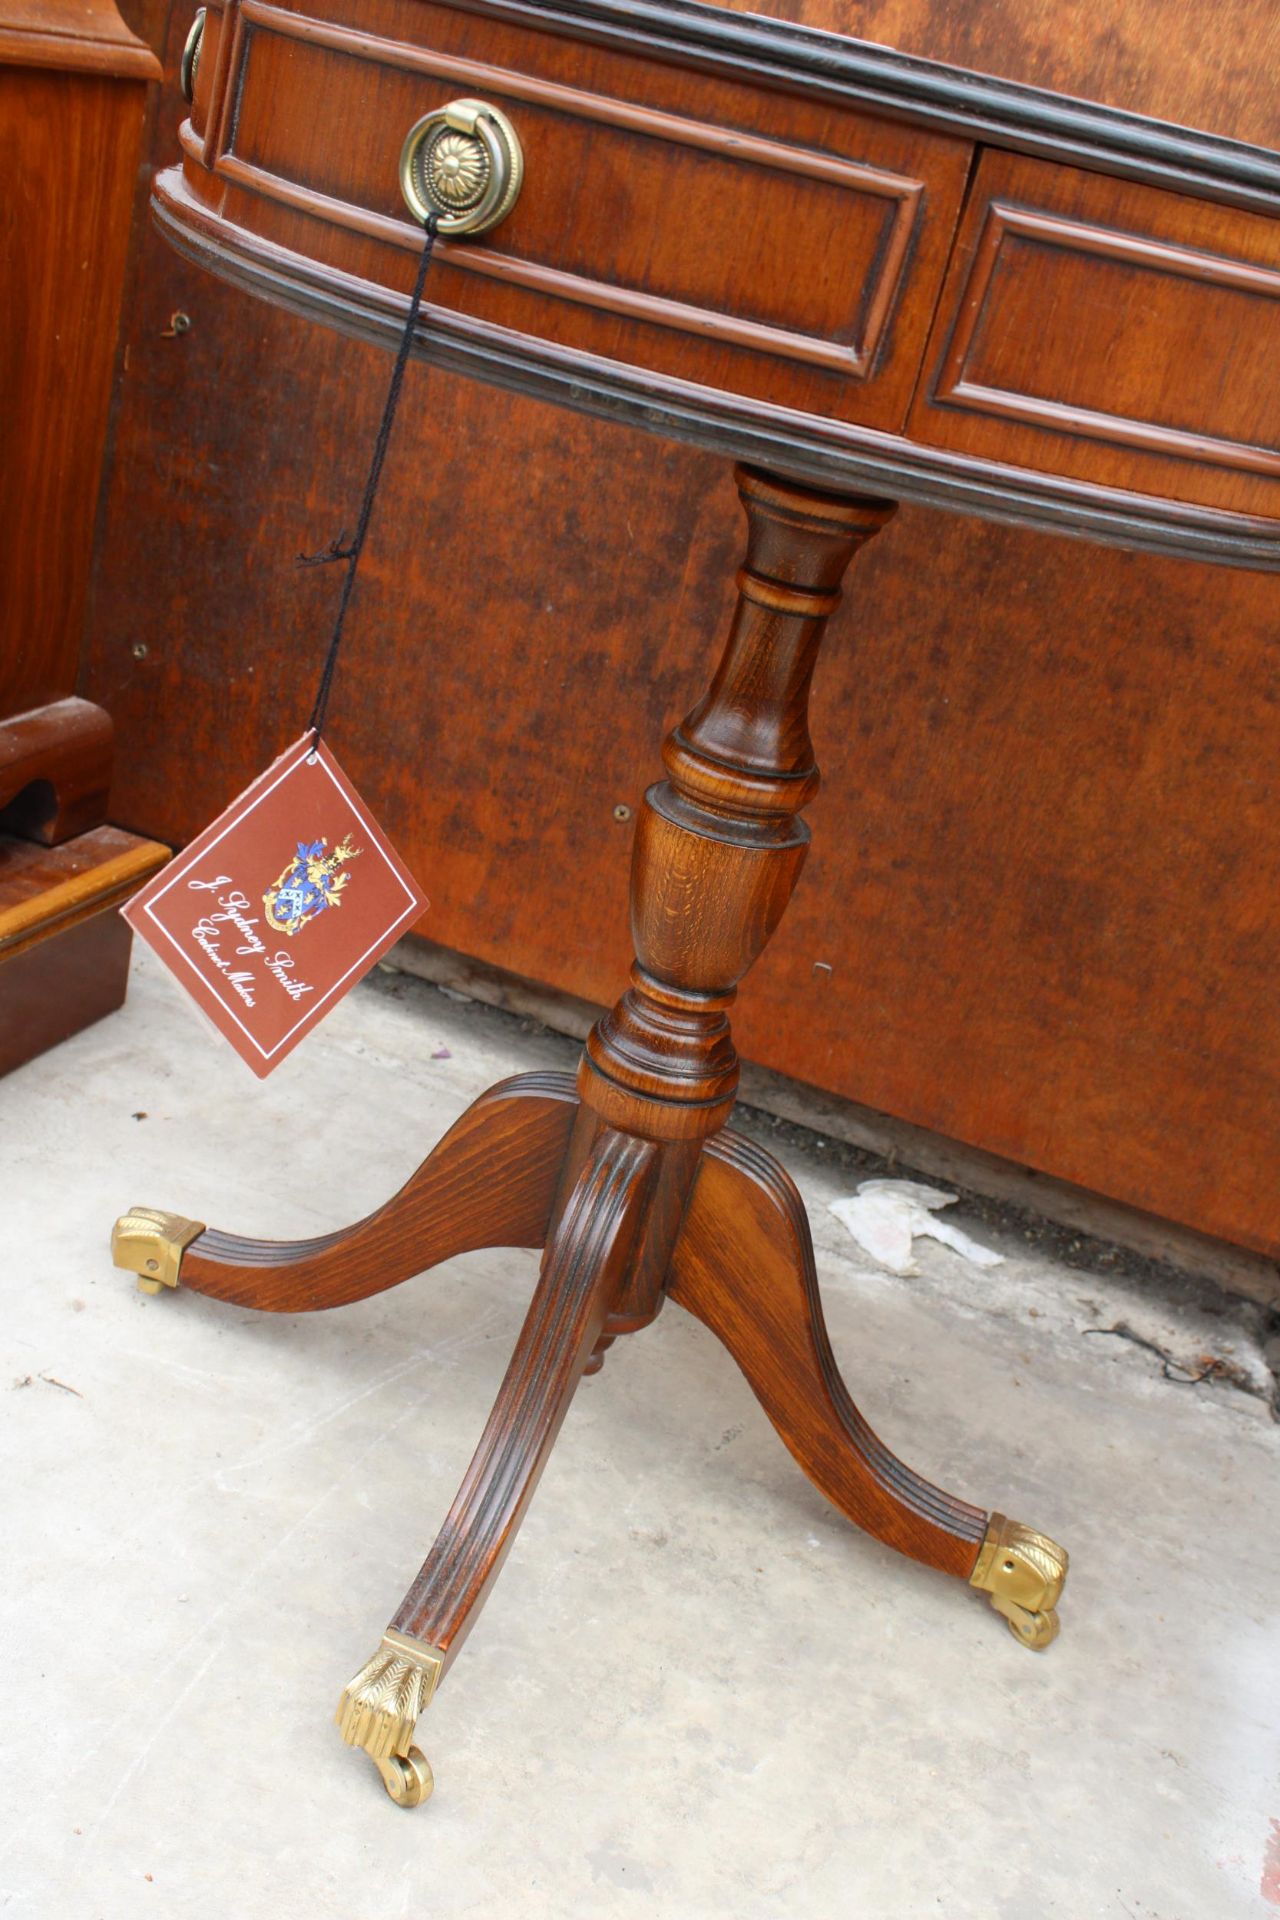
<point>1114,330</point>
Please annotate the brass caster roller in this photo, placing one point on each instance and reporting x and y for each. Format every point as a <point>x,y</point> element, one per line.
<point>1034,1630</point>
<point>1021,1572</point>
<point>379,1708</point>
<point>151,1244</point>
<point>407,1777</point>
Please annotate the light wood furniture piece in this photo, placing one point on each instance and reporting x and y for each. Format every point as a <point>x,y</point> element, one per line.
<point>866,278</point>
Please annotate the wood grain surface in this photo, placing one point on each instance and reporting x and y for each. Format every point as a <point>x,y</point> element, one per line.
<point>46,889</point>
<point>64,950</point>
<point>583,1269</point>
<point>744,1267</point>
<point>68,148</point>
<point>55,770</point>
<point>1147,56</point>
<point>73,36</point>
<point>491,1181</point>
<point>1112,331</point>
<point>730,233</point>
<point>636,167</point>
<point>50,991</point>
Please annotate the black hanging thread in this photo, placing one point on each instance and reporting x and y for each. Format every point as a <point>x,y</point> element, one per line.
<point>351,555</point>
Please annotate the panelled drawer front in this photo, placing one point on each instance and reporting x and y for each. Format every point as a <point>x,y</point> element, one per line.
<point>1111,332</point>
<point>696,228</point>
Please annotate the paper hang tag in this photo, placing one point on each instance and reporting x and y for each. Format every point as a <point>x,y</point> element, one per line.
<point>280,906</point>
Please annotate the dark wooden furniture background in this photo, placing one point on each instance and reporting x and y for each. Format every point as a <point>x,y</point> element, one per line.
<point>1047,848</point>
<point>73,82</point>
<point>72,91</point>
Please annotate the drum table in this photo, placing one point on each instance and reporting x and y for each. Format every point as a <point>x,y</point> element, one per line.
<point>865,277</point>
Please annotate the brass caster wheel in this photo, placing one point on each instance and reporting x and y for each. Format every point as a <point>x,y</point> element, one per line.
<point>1021,1573</point>
<point>379,1708</point>
<point>1034,1630</point>
<point>407,1777</point>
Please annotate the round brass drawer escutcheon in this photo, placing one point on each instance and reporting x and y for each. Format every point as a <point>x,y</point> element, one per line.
<point>191,56</point>
<point>464,163</point>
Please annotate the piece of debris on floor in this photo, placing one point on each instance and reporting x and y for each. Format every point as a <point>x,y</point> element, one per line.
<point>884,1216</point>
<point>52,1380</point>
<point>1206,1366</point>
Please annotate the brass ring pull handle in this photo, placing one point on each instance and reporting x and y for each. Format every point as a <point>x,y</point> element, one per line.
<point>191,56</point>
<point>464,163</point>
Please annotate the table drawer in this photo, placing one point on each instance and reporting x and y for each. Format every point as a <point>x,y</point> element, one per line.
<point>695,227</point>
<point>1111,332</point>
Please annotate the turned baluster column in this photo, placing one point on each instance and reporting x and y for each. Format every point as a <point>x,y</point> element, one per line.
<point>720,843</point>
<point>719,847</point>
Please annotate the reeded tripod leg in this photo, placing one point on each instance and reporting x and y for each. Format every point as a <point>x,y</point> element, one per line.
<point>584,1271</point>
<point>490,1182</point>
<point>744,1267</point>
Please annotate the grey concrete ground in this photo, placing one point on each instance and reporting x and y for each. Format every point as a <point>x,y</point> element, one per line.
<point>696,1692</point>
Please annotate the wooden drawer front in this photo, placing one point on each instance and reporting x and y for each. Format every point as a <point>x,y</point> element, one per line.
<point>1112,332</point>
<point>697,228</point>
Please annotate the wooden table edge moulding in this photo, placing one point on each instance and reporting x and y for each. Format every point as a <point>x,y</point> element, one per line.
<point>626,1176</point>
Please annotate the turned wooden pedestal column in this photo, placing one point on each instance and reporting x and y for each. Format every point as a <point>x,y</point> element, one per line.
<point>626,1181</point>
<point>718,849</point>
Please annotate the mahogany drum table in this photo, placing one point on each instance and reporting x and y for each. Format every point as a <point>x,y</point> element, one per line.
<point>865,277</point>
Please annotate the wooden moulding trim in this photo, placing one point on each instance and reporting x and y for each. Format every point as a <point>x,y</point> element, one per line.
<point>834,454</point>
<point>1186,263</point>
<point>112,57</point>
<point>1002,113</point>
<point>209,143</point>
<point>27,922</point>
<point>903,193</point>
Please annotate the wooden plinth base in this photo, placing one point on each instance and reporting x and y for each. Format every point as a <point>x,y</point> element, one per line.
<point>623,1176</point>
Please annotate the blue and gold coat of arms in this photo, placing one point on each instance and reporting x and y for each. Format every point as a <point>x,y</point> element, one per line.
<point>310,884</point>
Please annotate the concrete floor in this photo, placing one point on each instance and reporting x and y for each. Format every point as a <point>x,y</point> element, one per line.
<point>696,1691</point>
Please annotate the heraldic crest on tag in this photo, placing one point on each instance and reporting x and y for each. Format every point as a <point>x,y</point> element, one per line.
<point>246,964</point>
<point>312,882</point>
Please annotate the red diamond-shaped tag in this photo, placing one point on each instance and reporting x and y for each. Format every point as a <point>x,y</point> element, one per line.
<point>276,910</point>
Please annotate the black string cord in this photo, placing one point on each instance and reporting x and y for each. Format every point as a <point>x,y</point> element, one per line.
<point>351,555</point>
